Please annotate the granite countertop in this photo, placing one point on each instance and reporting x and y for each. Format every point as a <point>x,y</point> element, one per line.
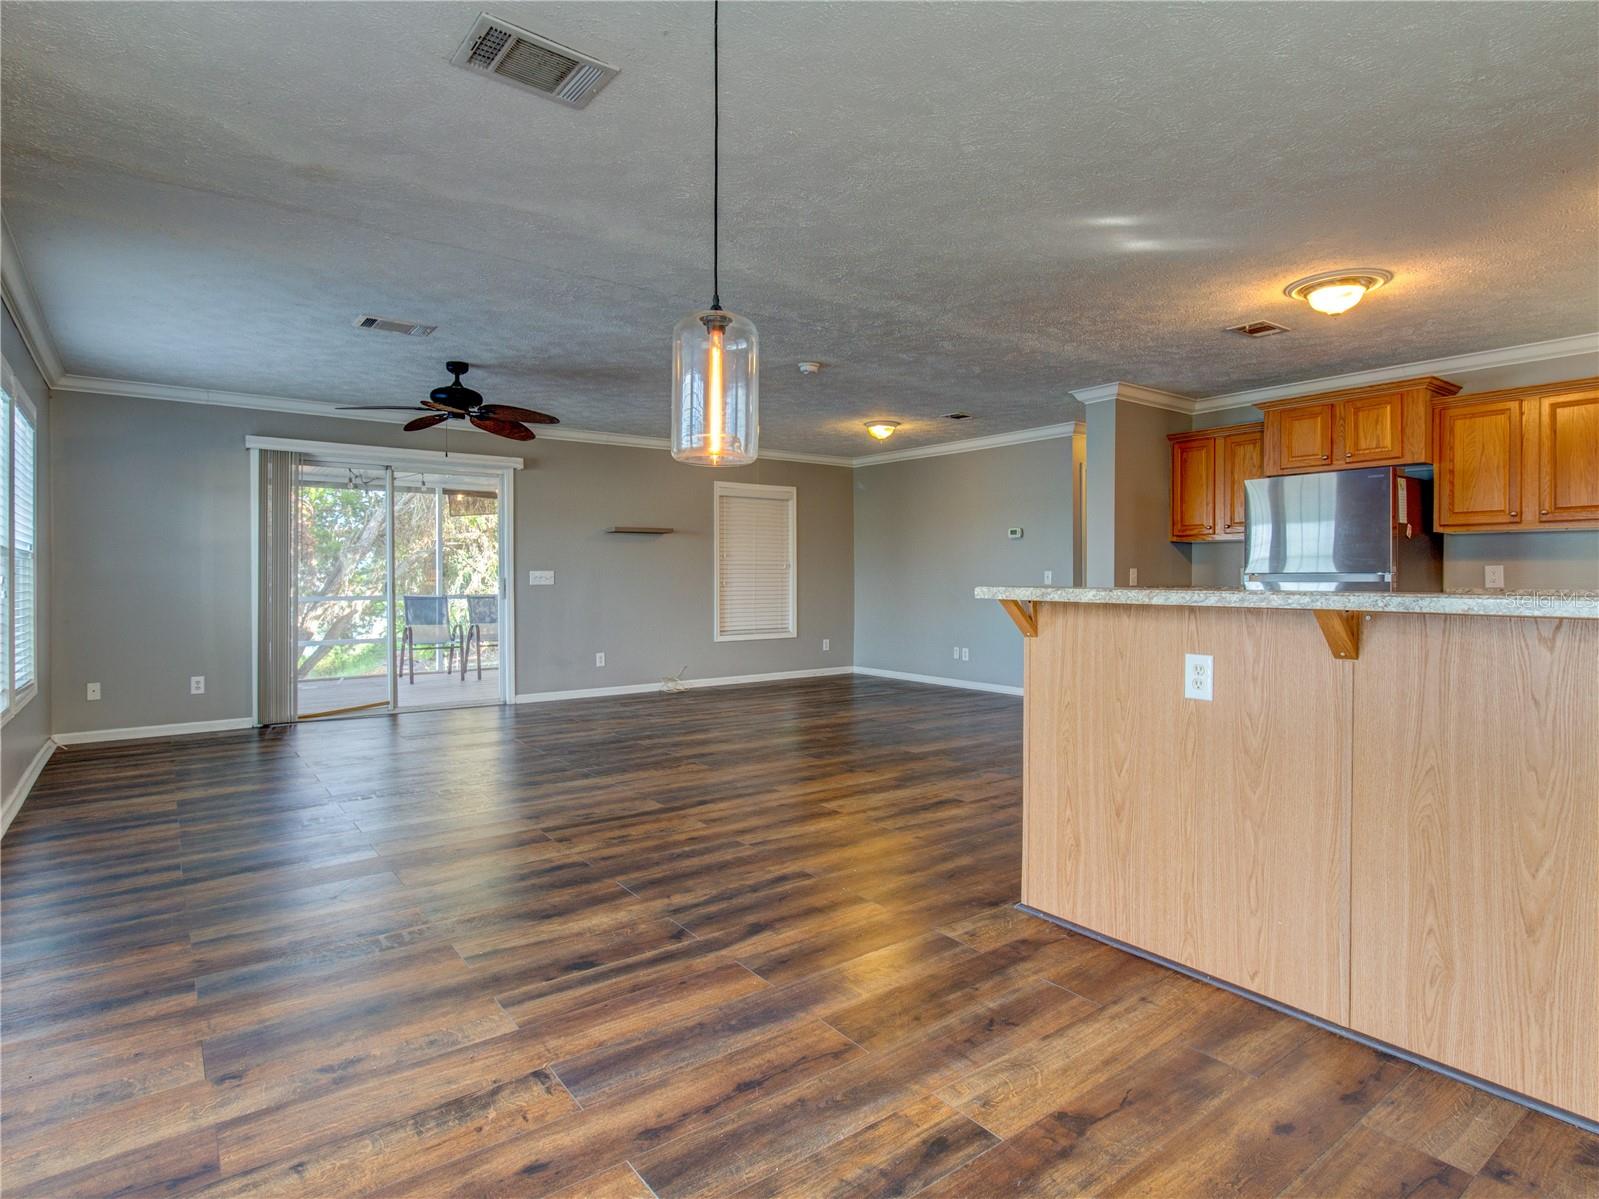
<point>1580,604</point>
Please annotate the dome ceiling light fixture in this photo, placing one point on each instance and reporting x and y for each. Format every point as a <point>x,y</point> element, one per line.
<point>882,429</point>
<point>715,368</point>
<point>1334,292</point>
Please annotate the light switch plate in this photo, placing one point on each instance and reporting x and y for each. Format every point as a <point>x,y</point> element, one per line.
<point>1132,576</point>
<point>827,644</point>
<point>1014,532</point>
<point>1197,673</point>
<point>1049,577</point>
<point>541,578</point>
<point>1493,578</point>
<point>966,653</point>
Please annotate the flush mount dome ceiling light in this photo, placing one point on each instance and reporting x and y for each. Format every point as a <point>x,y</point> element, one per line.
<point>882,429</point>
<point>1333,292</point>
<point>715,370</point>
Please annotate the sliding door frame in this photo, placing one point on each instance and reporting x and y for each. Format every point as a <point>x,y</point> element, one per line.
<point>489,465</point>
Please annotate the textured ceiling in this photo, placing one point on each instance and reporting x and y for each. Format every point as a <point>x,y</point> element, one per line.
<point>969,207</point>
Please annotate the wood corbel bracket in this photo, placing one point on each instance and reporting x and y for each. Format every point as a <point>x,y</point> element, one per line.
<point>1024,613</point>
<point>1342,631</point>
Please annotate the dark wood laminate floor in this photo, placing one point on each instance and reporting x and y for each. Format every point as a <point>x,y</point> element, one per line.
<point>751,941</point>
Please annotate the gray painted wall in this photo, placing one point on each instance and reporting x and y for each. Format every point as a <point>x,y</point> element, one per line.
<point>153,578</point>
<point>928,530</point>
<point>27,731</point>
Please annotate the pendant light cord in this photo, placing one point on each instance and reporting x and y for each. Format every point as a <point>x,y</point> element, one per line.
<point>716,153</point>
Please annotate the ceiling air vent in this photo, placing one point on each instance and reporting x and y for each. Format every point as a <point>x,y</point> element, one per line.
<point>531,62</point>
<point>1257,329</point>
<point>958,416</point>
<point>384,324</point>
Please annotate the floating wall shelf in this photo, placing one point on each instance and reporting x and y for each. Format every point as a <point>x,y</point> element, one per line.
<point>647,530</point>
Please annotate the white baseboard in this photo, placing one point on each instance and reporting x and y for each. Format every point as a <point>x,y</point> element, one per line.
<point>938,681</point>
<point>13,802</point>
<point>732,680</point>
<point>150,732</point>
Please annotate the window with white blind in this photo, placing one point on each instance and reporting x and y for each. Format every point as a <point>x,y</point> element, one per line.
<point>18,549</point>
<point>755,580</point>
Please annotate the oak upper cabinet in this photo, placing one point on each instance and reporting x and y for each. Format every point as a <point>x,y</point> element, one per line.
<point>1239,456</point>
<point>1208,471</point>
<point>1193,488</point>
<point>1568,457</point>
<point>1301,438</point>
<point>1520,460</point>
<point>1478,480</point>
<point>1387,424</point>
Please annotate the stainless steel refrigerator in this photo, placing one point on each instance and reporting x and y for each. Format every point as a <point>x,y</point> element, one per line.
<point>1341,530</point>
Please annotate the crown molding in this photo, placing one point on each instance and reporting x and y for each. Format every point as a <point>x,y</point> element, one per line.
<point>970,445</point>
<point>19,300</point>
<point>1478,360</point>
<point>91,385</point>
<point>1133,393</point>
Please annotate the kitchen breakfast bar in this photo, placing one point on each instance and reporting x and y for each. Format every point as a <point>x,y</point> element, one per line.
<point>1386,815</point>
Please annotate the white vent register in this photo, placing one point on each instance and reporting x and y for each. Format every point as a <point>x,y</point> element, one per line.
<point>525,60</point>
<point>755,575</point>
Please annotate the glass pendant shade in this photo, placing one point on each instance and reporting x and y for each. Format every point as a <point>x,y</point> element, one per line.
<point>715,409</point>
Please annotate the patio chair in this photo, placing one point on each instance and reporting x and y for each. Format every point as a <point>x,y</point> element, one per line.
<point>427,624</point>
<point>483,624</point>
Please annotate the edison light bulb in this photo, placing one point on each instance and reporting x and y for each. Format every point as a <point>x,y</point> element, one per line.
<point>714,403</point>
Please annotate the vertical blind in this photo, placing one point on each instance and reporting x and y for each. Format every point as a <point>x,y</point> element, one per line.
<point>277,605</point>
<point>5,551</point>
<point>754,562</point>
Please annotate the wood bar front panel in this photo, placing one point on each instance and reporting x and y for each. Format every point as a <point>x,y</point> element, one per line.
<point>1212,833</point>
<point>1475,888</point>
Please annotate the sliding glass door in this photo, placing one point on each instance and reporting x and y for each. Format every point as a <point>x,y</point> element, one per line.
<point>400,596</point>
<point>344,591</point>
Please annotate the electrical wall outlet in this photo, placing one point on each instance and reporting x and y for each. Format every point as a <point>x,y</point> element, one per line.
<point>827,644</point>
<point>955,652</point>
<point>966,653</point>
<point>1493,577</point>
<point>93,691</point>
<point>1049,577</point>
<point>599,659</point>
<point>1132,576</point>
<point>1197,670</point>
<point>541,578</point>
<point>197,684</point>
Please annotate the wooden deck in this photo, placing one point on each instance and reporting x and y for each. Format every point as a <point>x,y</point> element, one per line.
<point>747,941</point>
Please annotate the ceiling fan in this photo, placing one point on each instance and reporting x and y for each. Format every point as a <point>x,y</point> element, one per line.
<point>456,402</point>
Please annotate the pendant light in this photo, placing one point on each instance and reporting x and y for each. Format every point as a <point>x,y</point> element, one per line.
<point>715,412</point>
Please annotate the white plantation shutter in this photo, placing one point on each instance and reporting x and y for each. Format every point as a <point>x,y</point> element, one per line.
<point>24,551</point>
<point>755,583</point>
<point>5,551</point>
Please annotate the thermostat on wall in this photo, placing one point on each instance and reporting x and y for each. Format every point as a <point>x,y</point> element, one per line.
<point>1014,533</point>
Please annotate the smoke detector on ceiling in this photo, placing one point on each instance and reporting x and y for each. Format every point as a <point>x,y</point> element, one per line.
<point>1257,328</point>
<point>384,324</point>
<point>532,63</point>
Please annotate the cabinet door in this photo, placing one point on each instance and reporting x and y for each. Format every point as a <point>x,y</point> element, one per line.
<point>1239,460</point>
<point>1371,429</point>
<point>1479,465</point>
<point>1568,458</point>
<point>1302,438</point>
<point>1193,488</point>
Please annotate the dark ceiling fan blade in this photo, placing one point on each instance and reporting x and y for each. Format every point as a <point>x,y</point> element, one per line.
<point>503,428</point>
<point>526,415</point>
<point>438,407</point>
<point>377,408</point>
<point>424,422</point>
